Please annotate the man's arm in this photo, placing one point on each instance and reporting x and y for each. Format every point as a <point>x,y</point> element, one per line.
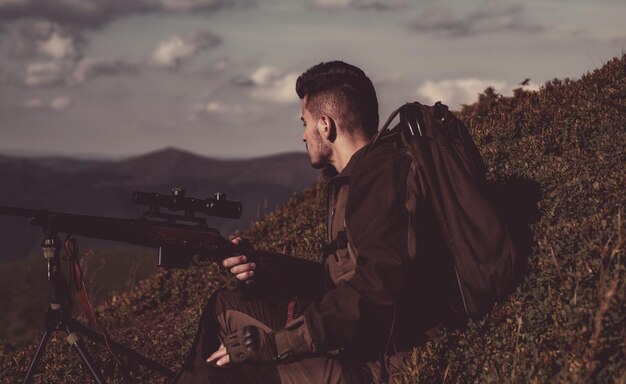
<point>277,276</point>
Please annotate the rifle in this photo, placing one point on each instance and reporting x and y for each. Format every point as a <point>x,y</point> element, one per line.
<point>182,239</point>
<point>185,239</point>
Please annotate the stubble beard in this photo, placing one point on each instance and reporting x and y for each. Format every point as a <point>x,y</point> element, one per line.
<point>319,154</point>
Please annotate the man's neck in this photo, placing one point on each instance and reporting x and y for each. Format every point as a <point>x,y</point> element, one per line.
<point>345,149</point>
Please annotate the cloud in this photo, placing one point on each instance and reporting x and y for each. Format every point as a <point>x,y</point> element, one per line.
<point>58,46</point>
<point>66,72</point>
<point>330,4</point>
<point>45,73</point>
<point>270,85</point>
<point>91,67</point>
<point>54,55</point>
<point>44,39</point>
<point>33,104</point>
<point>224,112</point>
<point>218,108</point>
<point>172,52</point>
<point>383,5</point>
<point>221,64</point>
<point>58,103</point>
<point>377,5</point>
<point>51,54</point>
<point>264,76</point>
<point>455,92</point>
<point>489,17</point>
<point>189,5</point>
<point>96,13</point>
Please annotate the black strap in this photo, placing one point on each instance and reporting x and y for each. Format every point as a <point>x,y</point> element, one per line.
<point>340,242</point>
<point>385,126</point>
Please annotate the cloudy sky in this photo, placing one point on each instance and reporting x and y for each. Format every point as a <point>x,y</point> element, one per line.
<point>114,78</point>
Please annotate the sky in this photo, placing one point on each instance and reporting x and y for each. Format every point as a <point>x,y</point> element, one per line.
<point>118,78</point>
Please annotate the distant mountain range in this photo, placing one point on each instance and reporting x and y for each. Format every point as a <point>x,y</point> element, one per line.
<point>104,187</point>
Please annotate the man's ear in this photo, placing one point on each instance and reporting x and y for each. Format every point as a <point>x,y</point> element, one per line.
<point>327,128</point>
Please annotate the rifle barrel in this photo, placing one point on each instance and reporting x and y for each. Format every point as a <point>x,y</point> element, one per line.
<point>181,240</point>
<point>23,212</point>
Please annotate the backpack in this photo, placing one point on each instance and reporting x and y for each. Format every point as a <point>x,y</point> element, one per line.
<point>483,253</point>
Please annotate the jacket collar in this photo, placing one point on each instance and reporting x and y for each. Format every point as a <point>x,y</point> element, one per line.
<point>344,175</point>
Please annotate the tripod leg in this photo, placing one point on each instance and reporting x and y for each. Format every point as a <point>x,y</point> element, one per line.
<point>73,340</point>
<point>37,357</point>
<point>93,335</point>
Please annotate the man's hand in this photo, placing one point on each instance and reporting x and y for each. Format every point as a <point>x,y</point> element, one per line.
<point>238,265</point>
<point>220,357</point>
<point>251,343</point>
<point>247,344</point>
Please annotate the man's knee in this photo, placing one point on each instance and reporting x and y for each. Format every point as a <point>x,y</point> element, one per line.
<point>228,311</point>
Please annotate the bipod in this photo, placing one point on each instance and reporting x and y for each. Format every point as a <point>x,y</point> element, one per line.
<point>58,318</point>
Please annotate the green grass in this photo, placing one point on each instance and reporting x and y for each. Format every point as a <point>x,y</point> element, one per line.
<point>563,323</point>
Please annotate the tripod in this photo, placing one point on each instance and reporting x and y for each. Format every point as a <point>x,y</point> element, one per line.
<point>58,318</point>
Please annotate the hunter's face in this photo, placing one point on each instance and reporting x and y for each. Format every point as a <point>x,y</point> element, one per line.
<point>319,152</point>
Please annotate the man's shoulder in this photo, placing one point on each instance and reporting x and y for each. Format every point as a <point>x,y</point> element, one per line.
<point>385,170</point>
<point>382,157</point>
<point>377,161</point>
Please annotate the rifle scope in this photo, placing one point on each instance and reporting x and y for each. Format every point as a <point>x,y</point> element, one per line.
<point>213,206</point>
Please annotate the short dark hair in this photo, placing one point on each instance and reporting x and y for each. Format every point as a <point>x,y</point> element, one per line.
<point>346,89</point>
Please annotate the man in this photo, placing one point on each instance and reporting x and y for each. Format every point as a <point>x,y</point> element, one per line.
<point>385,281</point>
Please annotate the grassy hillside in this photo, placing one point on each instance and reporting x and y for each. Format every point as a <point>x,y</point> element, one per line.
<point>565,321</point>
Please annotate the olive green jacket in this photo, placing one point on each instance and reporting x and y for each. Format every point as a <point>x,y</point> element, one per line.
<point>387,270</point>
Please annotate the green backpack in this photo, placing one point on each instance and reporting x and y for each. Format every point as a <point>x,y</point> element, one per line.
<point>485,259</point>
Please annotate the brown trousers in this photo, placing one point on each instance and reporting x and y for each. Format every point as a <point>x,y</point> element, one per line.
<point>227,311</point>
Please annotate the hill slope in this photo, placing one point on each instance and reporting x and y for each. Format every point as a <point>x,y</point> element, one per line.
<point>565,321</point>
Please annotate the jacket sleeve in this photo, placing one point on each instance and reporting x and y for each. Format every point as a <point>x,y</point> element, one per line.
<point>358,311</point>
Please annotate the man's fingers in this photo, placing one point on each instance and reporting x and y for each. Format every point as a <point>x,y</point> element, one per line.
<point>242,268</point>
<point>235,260</point>
<point>245,275</point>
<point>223,361</point>
<point>220,353</point>
<point>237,264</point>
